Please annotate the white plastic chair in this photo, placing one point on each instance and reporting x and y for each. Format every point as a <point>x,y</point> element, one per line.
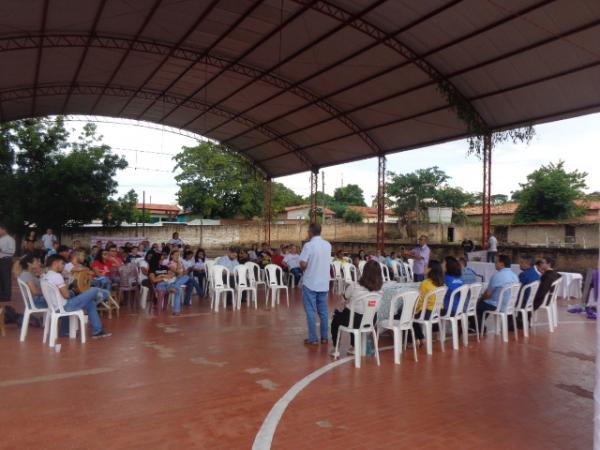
<point>361,266</point>
<point>385,272</point>
<point>244,284</point>
<point>470,310</point>
<point>408,270</point>
<point>338,279</point>
<point>350,275</point>
<point>221,288</point>
<point>144,291</point>
<point>458,297</point>
<point>275,285</point>
<point>30,308</point>
<point>525,306</point>
<point>404,324</point>
<point>256,276</point>
<point>55,311</point>
<point>371,302</point>
<point>549,305</point>
<point>505,308</point>
<point>434,317</point>
<point>209,264</point>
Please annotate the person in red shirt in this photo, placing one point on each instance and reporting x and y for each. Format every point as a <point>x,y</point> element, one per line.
<point>277,258</point>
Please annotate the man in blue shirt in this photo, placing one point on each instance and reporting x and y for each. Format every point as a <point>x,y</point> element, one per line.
<point>315,262</point>
<point>502,278</point>
<point>528,275</point>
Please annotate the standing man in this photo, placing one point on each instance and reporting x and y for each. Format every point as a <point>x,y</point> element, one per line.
<point>175,240</point>
<point>314,262</point>
<point>492,249</point>
<point>421,256</point>
<point>467,246</point>
<point>49,240</point>
<point>7,250</point>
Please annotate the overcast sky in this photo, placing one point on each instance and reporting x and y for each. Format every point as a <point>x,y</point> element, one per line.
<point>576,141</point>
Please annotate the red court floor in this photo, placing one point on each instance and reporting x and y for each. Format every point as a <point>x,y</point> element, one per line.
<point>208,381</point>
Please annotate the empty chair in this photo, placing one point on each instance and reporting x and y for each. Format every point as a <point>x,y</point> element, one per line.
<point>55,311</point>
<point>371,302</point>
<point>408,270</point>
<point>524,304</point>
<point>470,310</point>
<point>458,297</point>
<point>209,264</point>
<point>338,279</point>
<point>427,323</point>
<point>404,324</point>
<point>549,305</point>
<point>256,276</point>
<point>128,276</point>
<point>385,272</point>
<point>30,308</point>
<point>221,287</point>
<point>361,266</point>
<point>350,275</point>
<point>507,299</point>
<point>244,284</point>
<point>275,285</point>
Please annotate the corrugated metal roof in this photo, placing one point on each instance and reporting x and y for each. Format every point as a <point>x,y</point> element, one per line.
<point>303,84</point>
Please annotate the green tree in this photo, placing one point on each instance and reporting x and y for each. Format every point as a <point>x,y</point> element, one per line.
<point>352,216</point>
<point>452,197</point>
<point>122,210</point>
<point>351,194</point>
<point>282,197</point>
<point>499,199</point>
<point>51,181</point>
<point>550,193</point>
<point>407,192</point>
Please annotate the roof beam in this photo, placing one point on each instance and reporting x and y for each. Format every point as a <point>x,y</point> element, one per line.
<point>84,55</point>
<point>38,61</point>
<point>302,50</point>
<point>245,53</point>
<point>316,101</point>
<point>174,47</point>
<point>20,93</point>
<point>430,83</point>
<point>126,52</point>
<point>207,51</point>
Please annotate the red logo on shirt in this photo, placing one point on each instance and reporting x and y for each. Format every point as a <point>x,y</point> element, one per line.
<point>372,303</point>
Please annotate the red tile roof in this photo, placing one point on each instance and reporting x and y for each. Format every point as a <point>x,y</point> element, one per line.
<point>511,208</point>
<point>159,208</point>
<point>371,212</point>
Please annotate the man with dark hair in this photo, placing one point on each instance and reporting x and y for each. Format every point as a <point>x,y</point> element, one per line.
<point>315,263</point>
<point>86,300</point>
<point>7,250</point>
<point>468,246</point>
<point>549,276</point>
<point>528,275</point>
<point>502,278</point>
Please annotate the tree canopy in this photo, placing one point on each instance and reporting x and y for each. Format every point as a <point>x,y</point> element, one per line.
<point>217,182</point>
<point>349,195</point>
<point>549,194</point>
<point>48,180</point>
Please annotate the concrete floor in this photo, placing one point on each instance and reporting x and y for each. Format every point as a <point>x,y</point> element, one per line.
<point>207,381</point>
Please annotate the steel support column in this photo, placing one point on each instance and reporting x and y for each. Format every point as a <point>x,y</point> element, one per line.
<point>268,210</point>
<point>314,184</point>
<point>486,201</point>
<point>380,202</point>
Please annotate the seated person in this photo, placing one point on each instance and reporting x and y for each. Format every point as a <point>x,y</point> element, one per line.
<point>469,276</point>
<point>502,278</point>
<point>229,260</point>
<point>243,257</point>
<point>167,279</point>
<point>528,275</point>
<point>86,301</point>
<point>143,269</point>
<point>64,252</point>
<point>549,276</point>
<point>252,256</point>
<point>264,255</point>
<point>199,266</point>
<point>175,241</point>
<point>453,280</point>
<point>54,249</point>
<point>378,256</point>
<point>31,269</point>
<point>434,278</point>
<point>370,281</point>
<point>292,263</point>
<point>75,265</point>
<point>277,258</point>
<point>188,267</point>
<point>339,257</point>
<point>101,268</point>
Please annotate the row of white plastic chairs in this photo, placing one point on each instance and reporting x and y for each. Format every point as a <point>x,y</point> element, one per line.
<point>514,300</point>
<point>347,274</point>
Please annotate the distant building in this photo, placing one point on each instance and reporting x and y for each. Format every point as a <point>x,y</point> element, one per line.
<point>503,214</point>
<point>159,212</point>
<point>370,214</point>
<point>301,212</point>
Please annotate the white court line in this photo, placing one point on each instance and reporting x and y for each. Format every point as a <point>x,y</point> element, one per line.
<point>54,377</point>
<point>264,437</point>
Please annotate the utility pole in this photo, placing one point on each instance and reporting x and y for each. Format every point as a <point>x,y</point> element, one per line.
<point>323,182</point>
<point>144,213</point>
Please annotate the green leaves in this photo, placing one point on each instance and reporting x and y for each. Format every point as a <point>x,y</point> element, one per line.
<point>349,195</point>
<point>549,194</point>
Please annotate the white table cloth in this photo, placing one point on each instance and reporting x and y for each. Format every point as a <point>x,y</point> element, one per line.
<point>487,270</point>
<point>571,285</point>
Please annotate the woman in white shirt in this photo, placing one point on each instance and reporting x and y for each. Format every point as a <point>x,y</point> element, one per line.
<point>370,282</point>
